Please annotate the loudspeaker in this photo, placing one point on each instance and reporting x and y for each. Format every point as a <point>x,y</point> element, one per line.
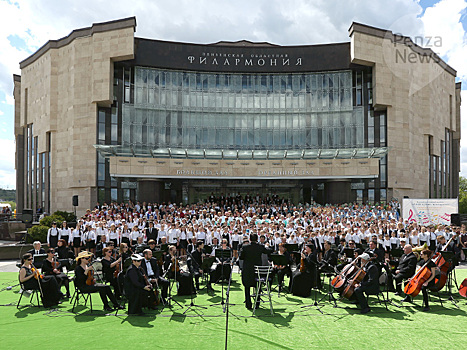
<point>26,217</point>
<point>75,200</point>
<point>456,219</point>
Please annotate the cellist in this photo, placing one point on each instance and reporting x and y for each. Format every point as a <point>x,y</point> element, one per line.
<point>370,283</point>
<point>430,282</point>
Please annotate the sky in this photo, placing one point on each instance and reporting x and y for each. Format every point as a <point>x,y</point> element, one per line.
<point>26,25</point>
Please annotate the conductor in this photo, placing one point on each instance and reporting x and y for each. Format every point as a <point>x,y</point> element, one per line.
<point>251,256</point>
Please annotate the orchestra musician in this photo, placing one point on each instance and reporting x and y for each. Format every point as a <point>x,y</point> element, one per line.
<point>223,268</point>
<point>49,289</point>
<point>405,270</point>
<point>137,290</point>
<point>282,270</point>
<point>37,250</point>
<point>251,256</point>
<point>64,254</point>
<point>51,267</point>
<point>109,265</point>
<point>184,279</point>
<point>451,247</point>
<point>329,260</point>
<point>152,272</point>
<point>82,272</point>
<point>196,262</point>
<point>302,281</point>
<point>430,282</point>
<point>369,284</point>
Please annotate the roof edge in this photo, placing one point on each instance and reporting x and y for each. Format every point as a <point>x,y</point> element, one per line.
<point>400,39</point>
<point>17,78</point>
<point>79,33</point>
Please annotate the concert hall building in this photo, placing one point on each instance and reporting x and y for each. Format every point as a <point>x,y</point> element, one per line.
<point>105,115</point>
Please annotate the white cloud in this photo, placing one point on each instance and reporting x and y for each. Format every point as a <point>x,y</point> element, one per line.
<point>7,164</point>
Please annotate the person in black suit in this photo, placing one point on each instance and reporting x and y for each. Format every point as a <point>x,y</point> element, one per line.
<point>152,271</point>
<point>196,262</point>
<point>374,251</point>
<point>369,285</point>
<point>151,232</point>
<point>451,247</point>
<point>405,270</point>
<point>251,256</point>
<point>329,260</point>
<point>37,250</point>
<point>136,289</point>
<point>101,245</point>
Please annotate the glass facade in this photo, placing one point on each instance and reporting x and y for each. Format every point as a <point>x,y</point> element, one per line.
<point>191,110</point>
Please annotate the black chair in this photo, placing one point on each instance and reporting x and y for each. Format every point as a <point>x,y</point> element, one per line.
<point>86,296</point>
<point>380,300</point>
<point>31,292</point>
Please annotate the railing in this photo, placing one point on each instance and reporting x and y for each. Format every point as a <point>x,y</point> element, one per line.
<point>17,217</point>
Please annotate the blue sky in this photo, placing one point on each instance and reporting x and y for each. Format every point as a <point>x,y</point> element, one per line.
<point>27,25</point>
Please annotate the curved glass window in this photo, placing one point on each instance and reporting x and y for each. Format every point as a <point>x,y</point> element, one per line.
<point>190,110</point>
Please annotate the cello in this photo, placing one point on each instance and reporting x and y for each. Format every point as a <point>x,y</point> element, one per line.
<point>463,288</point>
<point>443,266</point>
<point>356,278</point>
<point>338,282</point>
<point>415,284</point>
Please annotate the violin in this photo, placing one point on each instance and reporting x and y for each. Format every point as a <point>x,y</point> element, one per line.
<point>90,281</point>
<point>37,274</point>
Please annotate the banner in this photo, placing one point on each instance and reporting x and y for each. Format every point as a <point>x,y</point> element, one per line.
<point>429,211</point>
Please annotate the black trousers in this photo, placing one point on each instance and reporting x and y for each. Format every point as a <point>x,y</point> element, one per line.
<point>359,293</point>
<point>399,278</point>
<point>163,285</point>
<point>104,292</point>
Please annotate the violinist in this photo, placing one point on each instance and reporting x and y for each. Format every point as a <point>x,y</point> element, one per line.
<point>196,262</point>
<point>302,281</point>
<point>64,254</point>
<point>451,247</point>
<point>172,266</point>
<point>109,265</point>
<point>282,270</point>
<point>223,268</point>
<point>137,290</point>
<point>83,271</point>
<point>29,277</point>
<point>430,282</point>
<point>369,285</point>
<point>152,272</point>
<point>51,267</point>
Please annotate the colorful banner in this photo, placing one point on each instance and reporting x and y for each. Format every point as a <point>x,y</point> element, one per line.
<point>429,211</point>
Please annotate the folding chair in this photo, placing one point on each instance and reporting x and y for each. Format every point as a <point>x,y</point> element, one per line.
<point>31,293</point>
<point>262,280</point>
<point>380,300</point>
<point>86,296</point>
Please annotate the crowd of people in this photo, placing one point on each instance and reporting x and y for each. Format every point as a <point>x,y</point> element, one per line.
<point>142,246</point>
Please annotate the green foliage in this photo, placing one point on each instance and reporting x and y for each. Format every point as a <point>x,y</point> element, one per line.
<point>462,195</point>
<point>47,221</point>
<point>67,216</point>
<point>37,233</point>
<point>7,195</point>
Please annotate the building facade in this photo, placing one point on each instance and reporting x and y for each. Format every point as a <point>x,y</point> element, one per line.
<point>105,115</point>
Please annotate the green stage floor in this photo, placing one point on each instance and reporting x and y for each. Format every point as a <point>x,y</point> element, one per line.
<point>292,327</point>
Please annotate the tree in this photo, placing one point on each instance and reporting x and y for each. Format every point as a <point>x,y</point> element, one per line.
<point>462,195</point>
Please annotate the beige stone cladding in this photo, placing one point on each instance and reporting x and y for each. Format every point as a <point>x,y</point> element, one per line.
<point>418,90</point>
<point>66,81</point>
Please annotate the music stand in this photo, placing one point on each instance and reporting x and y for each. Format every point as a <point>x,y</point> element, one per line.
<point>278,259</point>
<point>397,252</point>
<point>140,248</point>
<point>293,249</point>
<point>315,304</point>
<point>449,256</point>
<point>349,253</point>
<point>170,297</point>
<point>222,254</point>
<point>192,304</point>
<point>38,259</point>
<point>329,295</point>
<point>207,263</point>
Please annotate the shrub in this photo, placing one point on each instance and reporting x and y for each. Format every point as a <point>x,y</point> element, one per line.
<point>37,233</point>
<point>67,216</point>
<point>47,221</point>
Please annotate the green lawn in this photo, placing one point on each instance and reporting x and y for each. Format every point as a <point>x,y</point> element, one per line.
<point>292,327</point>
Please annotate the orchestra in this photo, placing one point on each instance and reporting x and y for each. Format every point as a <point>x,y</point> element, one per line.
<point>157,250</point>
